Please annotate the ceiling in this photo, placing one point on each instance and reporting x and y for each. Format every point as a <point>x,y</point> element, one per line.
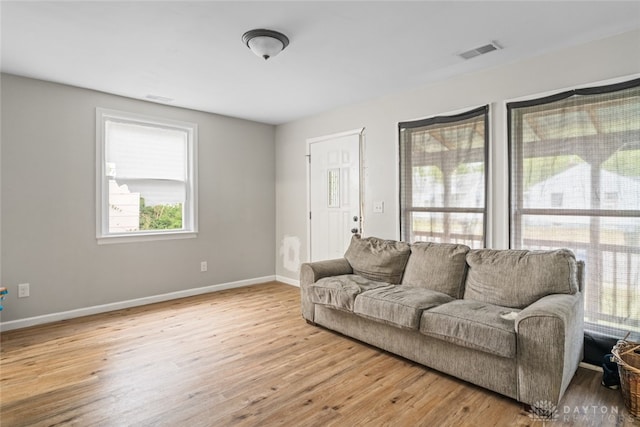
<point>340,53</point>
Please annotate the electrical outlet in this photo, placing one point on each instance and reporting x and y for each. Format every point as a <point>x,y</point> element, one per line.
<point>23,290</point>
<point>203,266</point>
<point>378,207</point>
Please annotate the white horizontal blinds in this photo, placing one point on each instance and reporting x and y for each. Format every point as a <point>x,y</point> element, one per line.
<point>146,168</point>
<point>575,183</point>
<point>139,151</point>
<point>443,178</point>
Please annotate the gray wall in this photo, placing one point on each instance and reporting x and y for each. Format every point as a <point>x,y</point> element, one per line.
<point>601,60</point>
<point>48,204</point>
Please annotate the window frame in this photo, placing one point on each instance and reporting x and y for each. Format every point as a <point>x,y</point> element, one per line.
<point>483,110</point>
<point>190,206</point>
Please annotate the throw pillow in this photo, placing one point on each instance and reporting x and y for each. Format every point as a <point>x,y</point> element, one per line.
<point>518,278</point>
<point>378,259</point>
<point>437,266</point>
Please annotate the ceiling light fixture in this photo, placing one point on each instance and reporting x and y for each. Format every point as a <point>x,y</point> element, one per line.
<point>265,43</point>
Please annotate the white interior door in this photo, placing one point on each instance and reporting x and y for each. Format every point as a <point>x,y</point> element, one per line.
<point>334,194</point>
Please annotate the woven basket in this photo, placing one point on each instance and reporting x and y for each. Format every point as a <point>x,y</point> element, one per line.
<point>627,356</point>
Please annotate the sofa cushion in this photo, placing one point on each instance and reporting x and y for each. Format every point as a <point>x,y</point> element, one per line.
<point>518,278</point>
<point>400,305</point>
<point>473,324</point>
<point>378,259</point>
<point>341,291</point>
<point>437,266</point>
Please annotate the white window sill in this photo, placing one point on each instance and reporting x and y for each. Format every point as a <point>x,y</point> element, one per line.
<point>146,237</point>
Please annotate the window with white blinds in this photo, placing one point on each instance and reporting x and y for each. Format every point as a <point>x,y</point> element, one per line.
<point>575,183</point>
<point>145,170</point>
<point>443,178</point>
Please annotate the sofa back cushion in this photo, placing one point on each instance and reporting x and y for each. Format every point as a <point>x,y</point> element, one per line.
<point>378,259</point>
<point>518,278</point>
<point>437,266</point>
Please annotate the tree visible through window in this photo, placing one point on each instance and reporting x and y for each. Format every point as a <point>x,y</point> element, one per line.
<point>146,175</point>
<point>575,183</point>
<point>442,178</point>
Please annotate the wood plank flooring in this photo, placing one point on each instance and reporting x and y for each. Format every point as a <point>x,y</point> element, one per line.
<point>245,357</point>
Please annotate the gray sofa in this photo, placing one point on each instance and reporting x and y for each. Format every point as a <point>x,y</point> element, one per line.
<point>510,321</point>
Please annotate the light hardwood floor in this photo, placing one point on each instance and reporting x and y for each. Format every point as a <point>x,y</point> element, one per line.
<point>245,357</point>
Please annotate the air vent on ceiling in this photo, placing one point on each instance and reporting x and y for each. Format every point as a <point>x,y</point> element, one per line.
<point>158,98</point>
<point>480,50</point>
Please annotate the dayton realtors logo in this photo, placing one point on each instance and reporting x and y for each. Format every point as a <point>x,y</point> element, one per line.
<point>544,410</point>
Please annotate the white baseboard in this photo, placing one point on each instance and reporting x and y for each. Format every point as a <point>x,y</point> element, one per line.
<point>288,281</point>
<point>96,309</point>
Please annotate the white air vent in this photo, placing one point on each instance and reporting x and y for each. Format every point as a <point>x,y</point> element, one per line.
<point>479,51</point>
<point>158,98</point>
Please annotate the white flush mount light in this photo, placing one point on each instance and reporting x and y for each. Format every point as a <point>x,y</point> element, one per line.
<point>265,43</point>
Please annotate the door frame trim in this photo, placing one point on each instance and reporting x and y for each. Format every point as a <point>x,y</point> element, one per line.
<point>360,132</point>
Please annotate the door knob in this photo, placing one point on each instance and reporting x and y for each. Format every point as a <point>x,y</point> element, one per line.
<point>354,230</point>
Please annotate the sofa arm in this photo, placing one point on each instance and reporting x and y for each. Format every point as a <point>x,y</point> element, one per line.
<point>311,272</point>
<point>550,342</point>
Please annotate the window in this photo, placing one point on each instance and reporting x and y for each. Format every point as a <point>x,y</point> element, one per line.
<point>443,178</point>
<point>575,183</point>
<point>145,170</point>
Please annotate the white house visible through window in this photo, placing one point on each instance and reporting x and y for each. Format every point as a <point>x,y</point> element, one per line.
<point>145,177</point>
